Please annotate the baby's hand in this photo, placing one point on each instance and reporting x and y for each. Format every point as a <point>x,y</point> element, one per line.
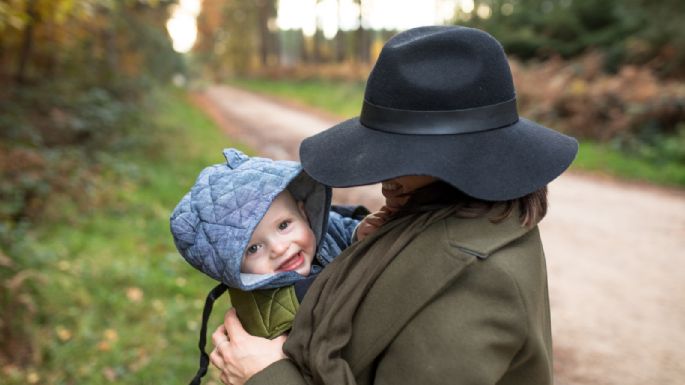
<point>372,222</point>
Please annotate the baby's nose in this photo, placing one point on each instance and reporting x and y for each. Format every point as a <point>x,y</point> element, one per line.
<point>278,248</point>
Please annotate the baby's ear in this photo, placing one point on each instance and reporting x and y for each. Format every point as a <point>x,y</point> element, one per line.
<point>300,206</point>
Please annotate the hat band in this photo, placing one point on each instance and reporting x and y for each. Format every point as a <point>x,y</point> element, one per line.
<point>448,122</point>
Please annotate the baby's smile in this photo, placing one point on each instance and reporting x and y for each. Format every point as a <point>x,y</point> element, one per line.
<point>292,263</point>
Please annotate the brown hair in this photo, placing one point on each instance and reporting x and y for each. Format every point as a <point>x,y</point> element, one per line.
<point>532,207</point>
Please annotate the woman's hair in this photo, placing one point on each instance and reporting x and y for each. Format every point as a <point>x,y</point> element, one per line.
<point>532,207</point>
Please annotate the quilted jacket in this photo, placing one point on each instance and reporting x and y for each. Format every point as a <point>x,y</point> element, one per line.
<point>213,223</point>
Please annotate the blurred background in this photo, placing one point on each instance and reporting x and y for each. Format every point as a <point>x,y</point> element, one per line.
<point>102,130</point>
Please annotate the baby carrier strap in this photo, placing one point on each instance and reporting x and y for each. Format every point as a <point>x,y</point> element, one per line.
<point>213,295</point>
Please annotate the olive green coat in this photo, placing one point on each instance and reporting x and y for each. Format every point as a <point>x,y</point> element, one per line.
<point>466,302</point>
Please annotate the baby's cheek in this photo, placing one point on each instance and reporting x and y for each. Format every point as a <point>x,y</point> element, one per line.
<point>246,267</point>
<point>311,241</point>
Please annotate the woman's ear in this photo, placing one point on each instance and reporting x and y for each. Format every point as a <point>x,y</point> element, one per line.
<point>300,206</point>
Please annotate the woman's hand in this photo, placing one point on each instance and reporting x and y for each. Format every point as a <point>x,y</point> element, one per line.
<point>240,355</point>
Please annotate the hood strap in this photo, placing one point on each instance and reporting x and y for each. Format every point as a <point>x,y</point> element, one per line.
<point>213,295</point>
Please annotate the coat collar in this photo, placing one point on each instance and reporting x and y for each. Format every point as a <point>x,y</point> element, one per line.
<point>480,237</point>
<point>442,253</point>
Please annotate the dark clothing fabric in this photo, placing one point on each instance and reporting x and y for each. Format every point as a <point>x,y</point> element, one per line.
<point>303,285</point>
<point>465,302</point>
<point>326,327</point>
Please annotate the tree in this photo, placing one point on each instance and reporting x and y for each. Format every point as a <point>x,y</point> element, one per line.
<point>266,12</point>
<point>624,30</point>
<point>62,37</point>
<point>74,74</point>
<point>235,37</point>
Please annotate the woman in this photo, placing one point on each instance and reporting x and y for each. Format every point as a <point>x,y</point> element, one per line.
<point>453,289</point>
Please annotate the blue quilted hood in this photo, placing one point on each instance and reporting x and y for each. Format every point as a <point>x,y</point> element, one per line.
<point>213,223</point>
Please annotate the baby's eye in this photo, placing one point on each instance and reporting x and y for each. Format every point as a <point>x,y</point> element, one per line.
<point>283,225</point>
<point>252,249</point>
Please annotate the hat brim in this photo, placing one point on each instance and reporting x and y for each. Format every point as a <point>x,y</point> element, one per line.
<point>495,165</point>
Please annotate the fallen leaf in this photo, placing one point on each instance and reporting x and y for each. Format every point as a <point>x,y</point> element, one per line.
<point>110,335</point>
<point>104,346</point>
<point>134,294</point>
<point>63,333</point>
<point>32,378</point>
<point>110,374</point>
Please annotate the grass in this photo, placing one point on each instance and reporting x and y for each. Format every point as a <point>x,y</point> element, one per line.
<point>344,100</point>
<point>117,302</point>
<point>602,158</point>
<point>340,98</point>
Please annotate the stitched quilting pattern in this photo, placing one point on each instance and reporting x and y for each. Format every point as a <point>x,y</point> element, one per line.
<point>214,221</point>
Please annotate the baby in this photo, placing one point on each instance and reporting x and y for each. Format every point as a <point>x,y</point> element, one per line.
<point>264,229</point>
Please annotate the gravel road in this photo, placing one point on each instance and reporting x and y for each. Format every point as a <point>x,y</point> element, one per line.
<point>615,252</point>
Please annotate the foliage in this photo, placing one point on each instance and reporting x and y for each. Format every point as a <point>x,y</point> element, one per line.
<point>18,305</point>
<point>632,111</point>
<point>238,37</point>
<point>628,32</point>
<point>91,41</point>
<point>648,162</point>
<point>232,35</point>
<point>107,296</point>
<point>79,85</point>
<point>74,75</point>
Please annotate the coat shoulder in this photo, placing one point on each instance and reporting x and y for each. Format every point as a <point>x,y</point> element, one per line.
<point>482,237</point>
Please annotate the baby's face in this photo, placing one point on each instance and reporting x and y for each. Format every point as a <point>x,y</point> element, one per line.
<point>282,241</point>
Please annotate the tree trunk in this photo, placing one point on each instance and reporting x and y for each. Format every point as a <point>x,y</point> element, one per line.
<point>3,60</point>
<point>109,42</point>
<point>340,46</point>
<point>362,45</point>
<point>304,50</point>
<point>317,46</point>
<point>266,10</point>
<point>262,25</point>
<point>339,39</point>
<point>361,38</point>
<point>27,42</point>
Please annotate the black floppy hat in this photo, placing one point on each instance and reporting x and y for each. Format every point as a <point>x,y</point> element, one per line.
<point>440,101</point>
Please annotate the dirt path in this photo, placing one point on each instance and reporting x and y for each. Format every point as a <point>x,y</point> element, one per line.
<point>615,253</point>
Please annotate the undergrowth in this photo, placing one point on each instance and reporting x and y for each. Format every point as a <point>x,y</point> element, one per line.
<point>100,293</point>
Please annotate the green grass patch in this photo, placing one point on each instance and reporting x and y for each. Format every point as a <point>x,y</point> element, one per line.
<point>344,100</point>
<point>117,303</point>
<point>605,159</point>
<point>340,98</point>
